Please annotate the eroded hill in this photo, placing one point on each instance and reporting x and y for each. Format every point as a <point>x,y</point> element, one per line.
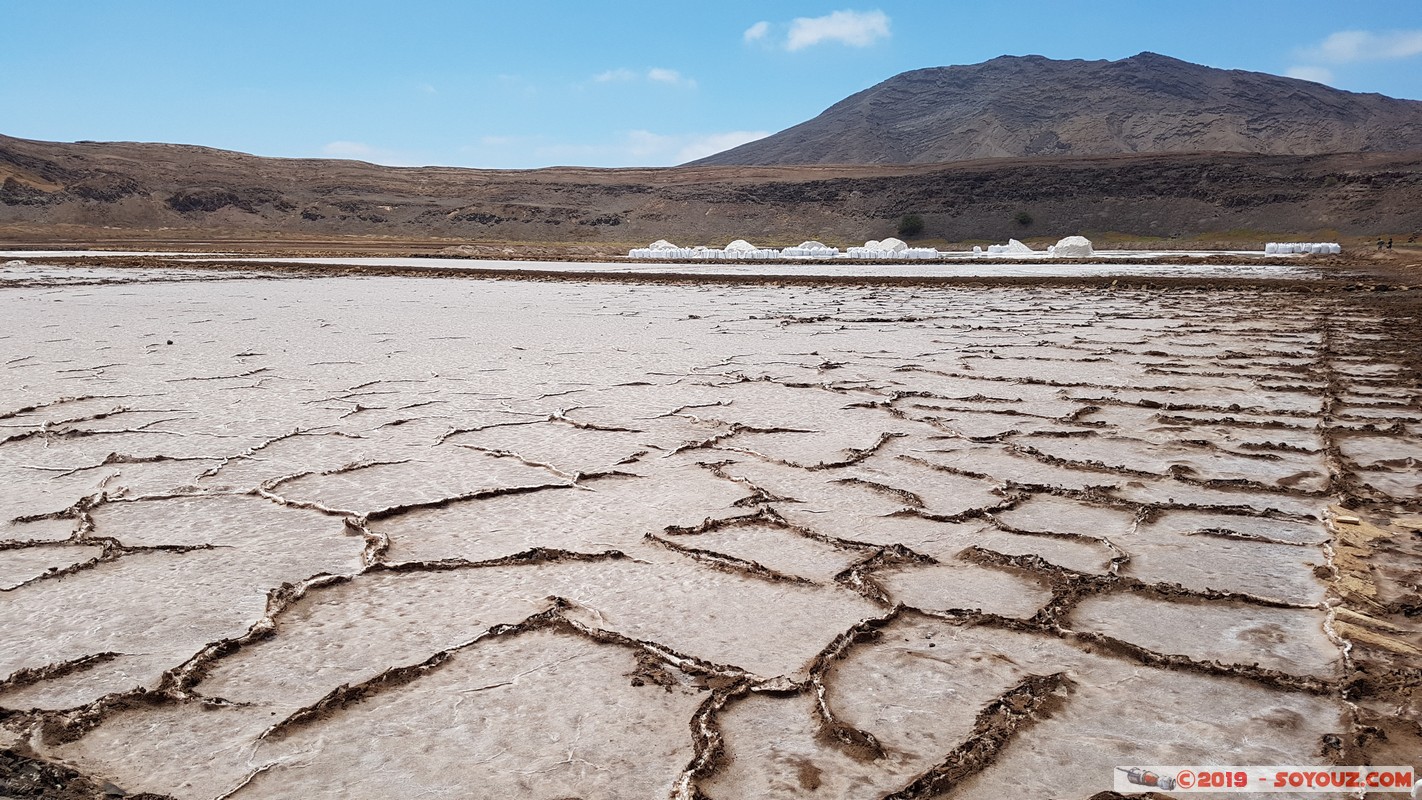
<point>108,188</point>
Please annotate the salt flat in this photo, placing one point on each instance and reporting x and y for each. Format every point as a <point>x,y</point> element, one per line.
<point>372,537</point>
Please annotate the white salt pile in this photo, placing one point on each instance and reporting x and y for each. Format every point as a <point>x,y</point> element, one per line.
<point>740,249</point>
<point>737,250</point>
<point>1306,248</point>
<point>661,248</point>
<point>1012,248</point>
<point>891,248</point>
<point>810,249</point>
<point>1072,247</point>
<point>920,253</point>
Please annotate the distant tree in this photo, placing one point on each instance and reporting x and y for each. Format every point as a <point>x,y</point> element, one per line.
<point>910,226</point>
<point>1023,218</point>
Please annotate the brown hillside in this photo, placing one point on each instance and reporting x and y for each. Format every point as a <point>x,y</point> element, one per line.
<point>1034,106</point>
<point>212,193</point>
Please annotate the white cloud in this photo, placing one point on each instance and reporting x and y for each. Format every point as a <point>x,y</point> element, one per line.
<point>854,28</point>
<point>670,77</point>
<point>757,31</point>
<point>648,148</point>
<point>1346,47</point>
<point>361,151</point>
<point>615,75</point>
<point>631,148</point>
<point>348,150</point>
<point>644,144</point>
<point>1315,74</point>
<point>711,143</point>
<point>662,75</point>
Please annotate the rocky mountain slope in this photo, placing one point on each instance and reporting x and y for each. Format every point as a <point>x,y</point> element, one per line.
<point>108,191</point>
<point>1032,106</point>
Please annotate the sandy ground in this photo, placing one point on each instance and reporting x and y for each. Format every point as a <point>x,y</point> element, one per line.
<point>265,534</point>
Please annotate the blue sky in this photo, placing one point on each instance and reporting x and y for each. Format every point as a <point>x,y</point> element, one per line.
<point>532,84</point>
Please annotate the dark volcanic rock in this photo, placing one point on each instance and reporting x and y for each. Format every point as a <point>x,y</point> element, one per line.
<point>14,193</point>
<point>105,188</point>
<point>217,198</point>
<point>1030,106</point>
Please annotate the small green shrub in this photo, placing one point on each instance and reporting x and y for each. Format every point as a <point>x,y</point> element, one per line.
<point>910,225</point>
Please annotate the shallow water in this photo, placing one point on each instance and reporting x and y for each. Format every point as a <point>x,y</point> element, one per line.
<point>374,535</point>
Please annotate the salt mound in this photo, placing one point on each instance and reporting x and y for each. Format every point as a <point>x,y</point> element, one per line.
<point>892,249</point>
<point>1012,248</point>
<point>660,249</point>
<point>16,263</point>
<point>1307,248</point>
<point>1073,247</point>
<point>810,249</point>
<point>739,246</point>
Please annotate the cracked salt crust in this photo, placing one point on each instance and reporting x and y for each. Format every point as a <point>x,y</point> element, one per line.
<point>374,536</point>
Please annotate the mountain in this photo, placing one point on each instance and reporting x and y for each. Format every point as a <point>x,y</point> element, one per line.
<point>128,192</point>
<point>1027,106</point>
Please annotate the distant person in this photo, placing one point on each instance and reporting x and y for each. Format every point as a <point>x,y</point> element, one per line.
<point>1389,244</point>
<point>1380,245</point>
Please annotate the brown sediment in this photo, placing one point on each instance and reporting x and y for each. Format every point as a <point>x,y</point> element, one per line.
<point>29,677</point>
<point>347,695</point>
<point>728,563</point>
<point>59,401</point>
<point>859,576</point>
<point>1030,701</point>
<point>708,745</point>
<point>909,498</point>
<point>858,744</point>
<point>176,684</point>
<point>112,550</point>
<point>978,512</point>
<point>1273,678</point>
<point>536,555</point>
<point>121,458</point>
<point>22,774</point>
